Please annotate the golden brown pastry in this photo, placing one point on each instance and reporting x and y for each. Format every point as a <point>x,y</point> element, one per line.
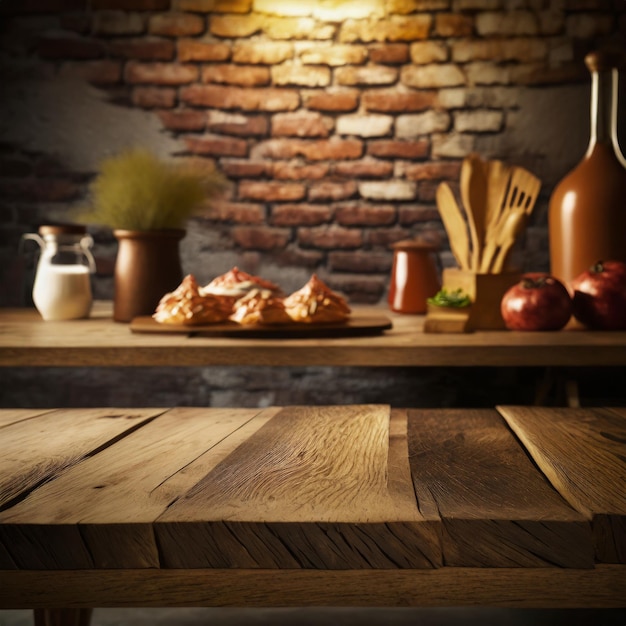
<point>260,306</point>
<point>316,302</point>
<point>189,306</point>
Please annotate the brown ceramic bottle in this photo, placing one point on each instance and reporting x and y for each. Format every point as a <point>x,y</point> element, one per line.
<point>587,213</point>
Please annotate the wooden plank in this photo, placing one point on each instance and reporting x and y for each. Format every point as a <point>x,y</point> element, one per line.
<point>13,416</point>
<point>39,449</point>
<point>313,488</point>
<point>583,454</point>
<point>602,587</point>
<point>110,500</point>
<point>497,509</point>
<point>26,340</point>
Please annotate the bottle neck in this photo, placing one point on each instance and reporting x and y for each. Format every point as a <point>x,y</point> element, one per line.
<point>604,88</point>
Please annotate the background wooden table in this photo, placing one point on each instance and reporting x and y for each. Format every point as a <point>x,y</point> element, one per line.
<point>335,505</point>
<point>27,340</point>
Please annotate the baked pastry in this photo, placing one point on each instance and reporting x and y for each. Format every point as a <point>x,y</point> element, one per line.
<point>260,306</point>
<point>316,302</point>
<point>188,305</point>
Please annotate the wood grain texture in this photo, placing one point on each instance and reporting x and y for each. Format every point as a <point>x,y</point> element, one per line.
<point>602,587</point>
<point>312,488</point>
<point>105,506</point>
<point>26,340</point>
<point>583,454</point>
<point>497,510</point>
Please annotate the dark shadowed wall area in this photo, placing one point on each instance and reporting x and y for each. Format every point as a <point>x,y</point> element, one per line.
<point>334,122</point>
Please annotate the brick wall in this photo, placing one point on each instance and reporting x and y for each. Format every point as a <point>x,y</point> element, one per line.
<point>333,120</point>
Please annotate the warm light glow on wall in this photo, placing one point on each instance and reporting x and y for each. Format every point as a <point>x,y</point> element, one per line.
<point>325,10</point>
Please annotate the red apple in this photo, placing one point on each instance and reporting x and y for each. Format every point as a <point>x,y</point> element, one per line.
<point>537,302</point>
<point>600,296</point>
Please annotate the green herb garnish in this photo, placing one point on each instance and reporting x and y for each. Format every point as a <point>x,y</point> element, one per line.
<point>456,299</point>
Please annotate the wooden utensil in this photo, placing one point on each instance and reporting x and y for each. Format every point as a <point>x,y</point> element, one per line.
<point>473,194</point>
<point>498,177</point>
<point>454,224</point>
<point>511,227</point>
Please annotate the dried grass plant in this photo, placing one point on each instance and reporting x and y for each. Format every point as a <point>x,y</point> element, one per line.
<point>135,190</point>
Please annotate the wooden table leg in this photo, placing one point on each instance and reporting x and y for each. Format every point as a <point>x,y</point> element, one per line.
<point>62,617</point>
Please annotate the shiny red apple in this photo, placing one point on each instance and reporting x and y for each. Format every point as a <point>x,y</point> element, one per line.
<point>538,301</point>
<point>600,296</point>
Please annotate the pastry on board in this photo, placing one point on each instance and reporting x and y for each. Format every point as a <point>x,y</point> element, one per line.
<point>315,302</point>
<point>189,305</point>
<point>260,306</point>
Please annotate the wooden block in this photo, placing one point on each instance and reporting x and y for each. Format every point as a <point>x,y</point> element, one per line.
<point>497,509</point>
<point>485,291</point>
<point>583,454</point>
<point>440,319</point>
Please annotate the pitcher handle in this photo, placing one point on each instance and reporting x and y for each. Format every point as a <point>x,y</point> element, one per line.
<point>31,237</point>
<point>85,243</point>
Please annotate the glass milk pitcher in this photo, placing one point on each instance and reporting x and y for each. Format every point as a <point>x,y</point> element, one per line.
<point>62,288</point>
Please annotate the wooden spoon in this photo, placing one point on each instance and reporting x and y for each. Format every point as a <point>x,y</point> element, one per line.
<point>511,227</point>
<point>473,194</point>
<point>454,223</point>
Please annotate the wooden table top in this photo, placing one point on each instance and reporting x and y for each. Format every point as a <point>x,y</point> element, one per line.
<point>334,488</point>
<point>27,340</point>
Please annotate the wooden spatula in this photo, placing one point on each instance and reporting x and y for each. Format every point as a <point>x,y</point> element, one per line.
<point>474,196</point>
<point>454,224</point>
<point>512,225</point>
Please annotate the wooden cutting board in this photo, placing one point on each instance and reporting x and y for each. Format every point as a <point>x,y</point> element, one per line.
<point>355,326</point>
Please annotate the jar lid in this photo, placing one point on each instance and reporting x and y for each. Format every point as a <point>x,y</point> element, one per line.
<point>415,244</point>
<point>62,229</point>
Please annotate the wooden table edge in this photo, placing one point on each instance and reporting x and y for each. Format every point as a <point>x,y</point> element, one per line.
<point>603,586</point>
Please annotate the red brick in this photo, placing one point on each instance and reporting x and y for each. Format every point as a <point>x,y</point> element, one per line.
<point>366,215</point>
<point>238,212</point>
<point>288,170</point>
<point>412,214</point>
<point>245,169</point>
<point>359,290</point>
<point>130,5</point>
<point>118,23</point>
<point>198,50</point>
<point>361,261</point>
<point>213,6</point>
<point>299,124</point>
<point>261,238</point>
<point>42,6</point>
<point>398,149</point>
<point>453,25</point>
<point>389,54</point>
<point>69,47</point>
<point>101,72</point>
<point>364,169</point>
<point>300,214</point>
<point>436,170</point>
<point>145,49</point>
<point>368,75</point>
<point>427,190</point>
<point>332,191</point>
<point>217,145</point>
<point>328,237</point>
<point>76,22</point>
<point>176,24</point>
<point>160,73</point>
<point>235,26</point>
<point>297,28</point>
<point>385,237</point>
<point>242,75</point>
<point>293,256</point>
<point>238,124</point>
<point>271,191</point>
<point>408,28</point>
<point>388,100</point>
<point>38,190</point>
<point>262,52</point>
<point>238,98</point>
<point>320,150</point>
<point>154,97</point>
<point>303,76</point>
<point>336,55</point>
<point>183,119</point>
<point>337,101</point>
